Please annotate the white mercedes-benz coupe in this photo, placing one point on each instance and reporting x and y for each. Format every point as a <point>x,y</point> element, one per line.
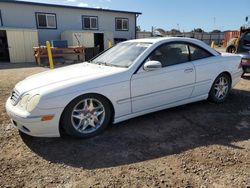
<point>133,78</point>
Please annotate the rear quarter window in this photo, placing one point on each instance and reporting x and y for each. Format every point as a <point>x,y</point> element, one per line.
<point>198,53</point>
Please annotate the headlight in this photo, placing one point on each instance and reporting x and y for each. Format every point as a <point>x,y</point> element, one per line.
<point>29,102</point>
<point>32,103</point>
<point>24,100</point>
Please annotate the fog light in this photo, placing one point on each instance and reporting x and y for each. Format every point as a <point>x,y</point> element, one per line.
<point>47,118</point>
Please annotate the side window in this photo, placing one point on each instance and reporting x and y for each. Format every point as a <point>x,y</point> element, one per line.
<point>198,53</point>
<point>170,54</point>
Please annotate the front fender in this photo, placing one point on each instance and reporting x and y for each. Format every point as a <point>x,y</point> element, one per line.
<point>118,94</point>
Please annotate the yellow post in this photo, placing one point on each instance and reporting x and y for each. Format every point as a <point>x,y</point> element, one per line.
<point>51,64</point>
<point>212,45</point>
<point>110,44</point>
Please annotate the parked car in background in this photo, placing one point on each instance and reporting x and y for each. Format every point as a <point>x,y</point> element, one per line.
<point>131,79</point>
<point>244,50</point>
<point>241,46</point>
<point>245,62</point>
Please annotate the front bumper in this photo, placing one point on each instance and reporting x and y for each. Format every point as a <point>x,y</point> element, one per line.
<point>31,124</point>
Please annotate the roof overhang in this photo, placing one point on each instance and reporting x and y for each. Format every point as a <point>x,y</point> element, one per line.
<point>68,6</point>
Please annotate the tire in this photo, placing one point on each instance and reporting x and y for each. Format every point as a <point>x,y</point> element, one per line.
<point>86,116</point>
<point>219,91</point>
<point>231,49</point>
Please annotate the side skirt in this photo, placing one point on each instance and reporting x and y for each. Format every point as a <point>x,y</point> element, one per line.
<point>186,101</point>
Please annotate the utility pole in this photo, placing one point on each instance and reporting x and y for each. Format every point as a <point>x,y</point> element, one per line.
<point>214,23</point>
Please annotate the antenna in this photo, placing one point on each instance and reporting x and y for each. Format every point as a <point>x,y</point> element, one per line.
<point>214,22</point>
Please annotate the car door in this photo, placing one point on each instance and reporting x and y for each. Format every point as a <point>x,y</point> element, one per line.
<point>171,83</point>
<point>204,63</point>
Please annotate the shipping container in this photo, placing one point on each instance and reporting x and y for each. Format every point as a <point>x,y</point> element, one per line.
<point>228,35</point>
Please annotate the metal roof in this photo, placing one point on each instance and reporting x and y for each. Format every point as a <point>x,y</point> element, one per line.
<point>66,6</point>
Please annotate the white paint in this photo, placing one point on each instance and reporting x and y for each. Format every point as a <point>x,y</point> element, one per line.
<point>131,93</point>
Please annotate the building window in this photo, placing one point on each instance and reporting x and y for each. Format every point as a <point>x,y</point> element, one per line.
<point>1,19</point>
<point>90,22</point>
<point>46,21</point>
<point>121,24</point>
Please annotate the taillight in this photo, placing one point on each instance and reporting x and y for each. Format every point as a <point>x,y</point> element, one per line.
<point>243,62</point>
<point>240,65</point>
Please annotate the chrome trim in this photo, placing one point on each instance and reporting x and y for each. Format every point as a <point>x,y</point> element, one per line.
<point>15,97</point>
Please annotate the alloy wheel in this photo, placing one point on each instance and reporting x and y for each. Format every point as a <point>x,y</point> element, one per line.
<point>221,88</point>
<point>88,115</point>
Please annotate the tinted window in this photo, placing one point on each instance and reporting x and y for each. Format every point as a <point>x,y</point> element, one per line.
<point>42,20</point>
<point>198,53</point>
<point>170,54</point>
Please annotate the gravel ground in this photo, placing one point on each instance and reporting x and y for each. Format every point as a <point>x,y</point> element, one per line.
<point>196,145</point>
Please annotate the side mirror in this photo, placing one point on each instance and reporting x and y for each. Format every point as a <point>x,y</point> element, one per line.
<point>152,65</point>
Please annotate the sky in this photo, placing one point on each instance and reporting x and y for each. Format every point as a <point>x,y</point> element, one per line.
<point>184,15</point>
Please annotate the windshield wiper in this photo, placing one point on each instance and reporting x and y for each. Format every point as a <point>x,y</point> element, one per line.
<point>105,63</point>
<point>112,65</point>
<point>99,62</point>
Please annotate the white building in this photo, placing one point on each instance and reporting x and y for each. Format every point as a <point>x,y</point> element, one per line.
<point>50,21</point>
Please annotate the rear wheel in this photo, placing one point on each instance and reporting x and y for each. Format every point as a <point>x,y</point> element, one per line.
<point>220,88</point>
<point>231,49</point>
<point>86,116</point>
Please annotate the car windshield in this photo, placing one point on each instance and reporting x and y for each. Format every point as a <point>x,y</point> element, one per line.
<point>121,55</point>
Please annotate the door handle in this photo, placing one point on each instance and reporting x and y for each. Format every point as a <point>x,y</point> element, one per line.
<point>188,70</point>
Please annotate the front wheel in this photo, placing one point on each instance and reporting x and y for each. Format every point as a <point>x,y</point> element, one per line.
<point>86,116</point>
<point>220,88</point>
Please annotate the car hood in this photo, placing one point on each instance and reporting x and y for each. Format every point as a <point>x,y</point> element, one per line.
<point>67,75</point>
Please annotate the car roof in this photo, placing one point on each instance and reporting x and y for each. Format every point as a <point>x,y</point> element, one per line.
<point>166,39</point>
<point>155,40</point>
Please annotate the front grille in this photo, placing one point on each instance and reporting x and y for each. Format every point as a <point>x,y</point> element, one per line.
<point>14,98</point>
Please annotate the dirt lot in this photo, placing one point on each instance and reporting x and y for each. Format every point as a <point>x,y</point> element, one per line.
<point>196,145</point>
